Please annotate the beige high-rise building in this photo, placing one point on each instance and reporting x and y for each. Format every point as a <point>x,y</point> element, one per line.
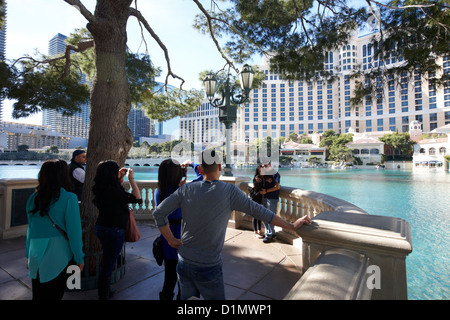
<point>280,108</point>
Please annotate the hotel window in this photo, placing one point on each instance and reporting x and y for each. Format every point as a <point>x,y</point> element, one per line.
<point>392,124</point>
<point>433,117</point>
<point>380,124</point>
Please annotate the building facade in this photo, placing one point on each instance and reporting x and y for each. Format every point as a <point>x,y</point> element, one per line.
<point>280,108</point>
<point>76,125</point>
<point>203,126</point>
<point>2,52</point>
<point>34,136</point>
<point>139,124</point>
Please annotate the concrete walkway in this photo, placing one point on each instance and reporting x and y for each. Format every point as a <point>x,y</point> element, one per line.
<point>252,270</point>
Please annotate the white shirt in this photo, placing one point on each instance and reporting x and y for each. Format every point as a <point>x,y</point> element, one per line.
<point>79,174</point>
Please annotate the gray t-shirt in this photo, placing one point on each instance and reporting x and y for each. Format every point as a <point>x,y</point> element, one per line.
<point>206,207</point>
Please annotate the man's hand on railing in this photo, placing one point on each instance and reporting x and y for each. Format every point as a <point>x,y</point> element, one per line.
<point>280,222</point>
<point>303,220</point>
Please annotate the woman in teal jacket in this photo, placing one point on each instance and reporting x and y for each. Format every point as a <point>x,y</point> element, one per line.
<point>47,250</point>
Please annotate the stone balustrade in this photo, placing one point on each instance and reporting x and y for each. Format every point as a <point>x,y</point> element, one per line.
<point>384,242</point>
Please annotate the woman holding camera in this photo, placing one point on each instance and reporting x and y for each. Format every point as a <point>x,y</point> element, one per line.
<point>171,176</point>
<point>112,202</point>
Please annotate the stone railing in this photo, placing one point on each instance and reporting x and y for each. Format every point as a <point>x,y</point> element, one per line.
<point>377,246</point>
<point>144,211</point>
<point>295,203</point>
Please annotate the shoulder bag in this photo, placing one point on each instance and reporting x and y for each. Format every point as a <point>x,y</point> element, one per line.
<point>132,233</point>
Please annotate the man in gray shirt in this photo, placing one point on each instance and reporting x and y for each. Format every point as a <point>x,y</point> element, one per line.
<point>206,207</point>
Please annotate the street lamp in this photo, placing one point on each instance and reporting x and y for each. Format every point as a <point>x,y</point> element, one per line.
<point>228,103</point>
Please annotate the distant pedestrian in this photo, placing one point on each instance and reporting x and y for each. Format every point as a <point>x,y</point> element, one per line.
<point>53,214</point>
<point>271,191</point>
<point>255,195</point>
<point>77,172</point>
<point>112,202</point>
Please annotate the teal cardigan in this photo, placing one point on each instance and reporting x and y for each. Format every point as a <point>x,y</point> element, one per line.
<point>47,250</point>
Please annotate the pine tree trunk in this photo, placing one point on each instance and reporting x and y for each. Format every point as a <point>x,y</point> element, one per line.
<point>109,136</point>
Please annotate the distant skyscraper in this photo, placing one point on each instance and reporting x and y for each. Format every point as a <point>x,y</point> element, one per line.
<point>76,125</point>
<point>57,44</point>
<point>139,124</point>
<point>2,51</point>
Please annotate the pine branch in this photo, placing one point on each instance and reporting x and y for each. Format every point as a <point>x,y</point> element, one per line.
<point>141,19</point>
<point>83,10</point>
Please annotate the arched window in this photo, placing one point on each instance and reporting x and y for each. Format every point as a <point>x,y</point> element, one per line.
<point>365,151</point>
<point>374,151</point>
<point>443,151</point>
<point>432,151</point>
<point>422,151</point>
<point>355,151</point>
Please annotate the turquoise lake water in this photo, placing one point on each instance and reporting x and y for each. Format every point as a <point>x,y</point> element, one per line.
<point>422,199</point>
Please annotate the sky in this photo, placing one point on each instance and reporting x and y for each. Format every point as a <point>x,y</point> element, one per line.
<point>32,23</point>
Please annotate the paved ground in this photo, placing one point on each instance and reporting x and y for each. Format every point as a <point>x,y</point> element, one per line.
<point>252,270</point>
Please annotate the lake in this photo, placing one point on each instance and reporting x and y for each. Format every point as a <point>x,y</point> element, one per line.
<point>421,198</point>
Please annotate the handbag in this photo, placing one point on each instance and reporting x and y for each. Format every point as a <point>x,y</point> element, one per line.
<point>132,233</point>
<point>63,233</point>
<point>158,251</point>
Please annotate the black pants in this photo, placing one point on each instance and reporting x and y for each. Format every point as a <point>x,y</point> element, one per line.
<point>170,279</point>
<point>51,290</point>
<point>256,225</point>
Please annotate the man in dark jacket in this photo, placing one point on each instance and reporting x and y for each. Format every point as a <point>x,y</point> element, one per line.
<point>77,172</point>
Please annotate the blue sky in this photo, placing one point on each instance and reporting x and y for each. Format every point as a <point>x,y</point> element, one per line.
<point>32,23</point>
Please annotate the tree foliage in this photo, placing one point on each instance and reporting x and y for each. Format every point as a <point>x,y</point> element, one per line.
<point>37,84</point>
<point>297,35</point>
<point>398,142</point>
<point>46,82</point>
<point>2,13</point>
<point>336,144</point>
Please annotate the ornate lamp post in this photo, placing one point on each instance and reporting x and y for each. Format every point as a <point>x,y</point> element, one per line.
<point>228,104</point>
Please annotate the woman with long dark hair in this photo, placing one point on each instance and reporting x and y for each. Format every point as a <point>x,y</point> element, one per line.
<point>112,202</point>
<point>171,175</point>
<point>54,235</point>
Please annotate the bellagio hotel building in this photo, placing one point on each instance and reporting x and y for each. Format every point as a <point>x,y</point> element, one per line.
<point>279,108</point>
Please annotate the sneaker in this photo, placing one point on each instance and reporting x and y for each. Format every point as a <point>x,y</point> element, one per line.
<point>268,239</point>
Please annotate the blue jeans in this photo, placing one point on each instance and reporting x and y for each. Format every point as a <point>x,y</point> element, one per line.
<point>272,205</point>
<point>112,240</point>
<point>198,280</point>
